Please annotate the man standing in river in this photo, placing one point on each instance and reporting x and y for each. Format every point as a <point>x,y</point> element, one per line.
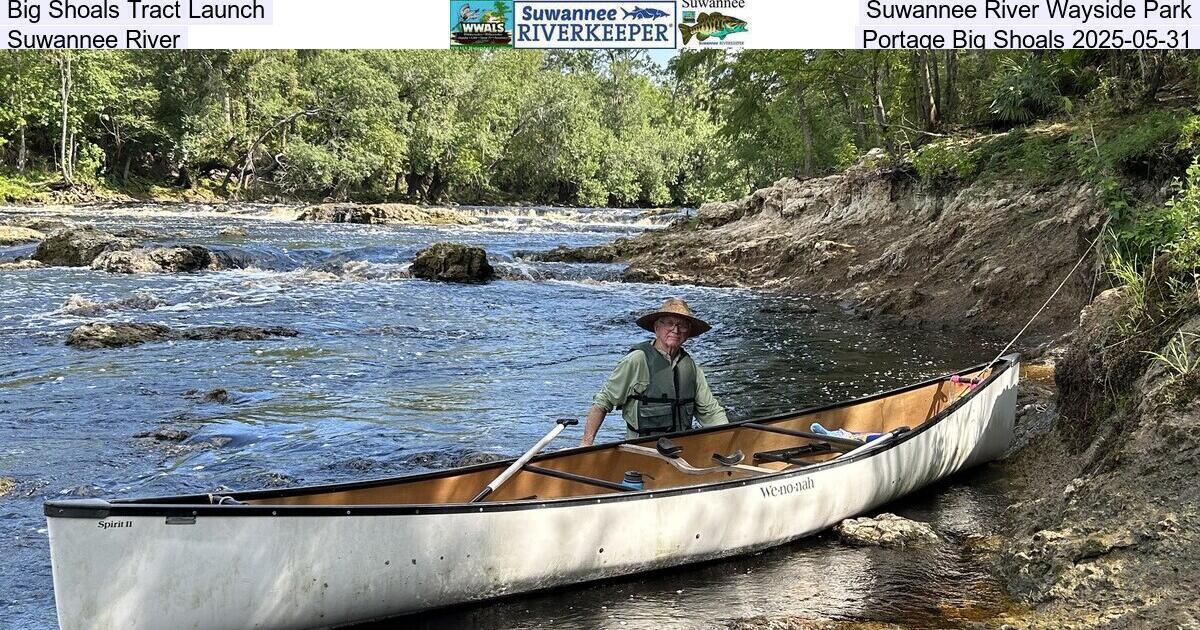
<point>657,385</point>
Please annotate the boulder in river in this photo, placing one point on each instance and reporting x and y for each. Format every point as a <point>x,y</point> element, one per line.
<point>452,262</point>
<point>886,530</point>
<point>123,334</point>
<point>154,260</point>
<point>6,485</point>
<point>10,235</point>
<point>78,247</point>
<point>116,335</point>
<point>384,213</point>
<point>233,230</point>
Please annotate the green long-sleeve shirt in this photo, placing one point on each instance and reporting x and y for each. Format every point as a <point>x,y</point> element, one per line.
<point>631,377</point>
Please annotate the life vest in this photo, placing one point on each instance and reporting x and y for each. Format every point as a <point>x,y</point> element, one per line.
<point>669,401</point>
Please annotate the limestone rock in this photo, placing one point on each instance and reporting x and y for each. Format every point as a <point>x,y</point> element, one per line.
<point>6,485</point>
<point>78,247</point>
<point>154,260</point>
<point>116,335</point>
<point>15,235</point>
<point>81,306</point>
<point>235,333</point>
<point>564,254</point>
<point>20,264</point>
<point>164,434</point>
<point>886,530</point>
<point>124,334</point>
<point>452,262</point>
<point>384,213</point>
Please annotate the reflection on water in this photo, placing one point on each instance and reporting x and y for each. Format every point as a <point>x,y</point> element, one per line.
<point>392,375</point>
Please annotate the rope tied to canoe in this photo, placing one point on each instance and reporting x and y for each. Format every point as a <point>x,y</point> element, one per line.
<point>1062,284</point>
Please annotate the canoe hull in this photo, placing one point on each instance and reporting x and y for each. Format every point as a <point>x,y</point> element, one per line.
<point>305,571</point>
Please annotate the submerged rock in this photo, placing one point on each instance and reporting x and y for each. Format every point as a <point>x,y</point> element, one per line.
<point>78,247</point>
<point>136,233</point>
<point>15,235</point>
<point>164,434</point>
<point>236,333</point>
<point>384,213</point>
<point>452,262</point>
<point>588,254</point>
<point>154,260</point>
<point>21,264</point>
<point>123,334</point>
<point>217,395</point>
<point>447,459</point>
<point>232,230</point>
<point>45,226</point>
<point>886,530</point>
<point>82,306</point>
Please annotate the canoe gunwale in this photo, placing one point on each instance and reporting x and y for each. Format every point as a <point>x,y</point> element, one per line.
<point>179,506</point>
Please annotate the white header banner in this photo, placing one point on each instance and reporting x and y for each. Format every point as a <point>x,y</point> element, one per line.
<point>650,24</point>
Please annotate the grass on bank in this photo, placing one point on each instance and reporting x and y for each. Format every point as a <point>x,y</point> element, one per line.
<point>1141,145</point>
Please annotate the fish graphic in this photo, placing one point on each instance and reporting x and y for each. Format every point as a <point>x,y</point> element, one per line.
<point>712,25</point>
<point>639,13</point>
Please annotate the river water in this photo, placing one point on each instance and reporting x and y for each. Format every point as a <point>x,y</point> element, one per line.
<point>391,375</point>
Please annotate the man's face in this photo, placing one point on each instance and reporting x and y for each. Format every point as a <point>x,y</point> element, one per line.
<point>671,331</point>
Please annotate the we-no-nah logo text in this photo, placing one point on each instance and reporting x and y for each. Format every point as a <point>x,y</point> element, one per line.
<point>626,24</point>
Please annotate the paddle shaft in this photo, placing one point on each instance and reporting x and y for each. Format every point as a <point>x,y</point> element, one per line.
<point>522,460</point>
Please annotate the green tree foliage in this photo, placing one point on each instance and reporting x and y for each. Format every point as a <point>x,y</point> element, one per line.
<point>573,127</point>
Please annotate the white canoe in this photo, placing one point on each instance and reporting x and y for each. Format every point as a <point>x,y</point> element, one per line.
<point>339,554</point>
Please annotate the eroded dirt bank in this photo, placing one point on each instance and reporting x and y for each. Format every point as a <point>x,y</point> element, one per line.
<point>983,257</point>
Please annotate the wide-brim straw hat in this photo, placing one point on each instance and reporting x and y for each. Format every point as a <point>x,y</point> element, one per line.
<point>678,308</point>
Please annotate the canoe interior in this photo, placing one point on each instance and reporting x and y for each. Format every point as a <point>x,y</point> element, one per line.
<point>909,408</point>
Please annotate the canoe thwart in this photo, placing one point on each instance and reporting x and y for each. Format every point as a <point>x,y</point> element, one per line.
<point>561,474</point>
<point>838,443</point>
<point>794,454</point>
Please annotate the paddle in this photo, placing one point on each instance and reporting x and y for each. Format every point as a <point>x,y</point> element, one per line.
<point>524,459</point>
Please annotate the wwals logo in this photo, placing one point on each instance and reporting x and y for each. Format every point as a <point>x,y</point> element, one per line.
<point>479,24</point>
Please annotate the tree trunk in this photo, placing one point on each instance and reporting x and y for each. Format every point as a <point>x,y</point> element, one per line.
<point>806,131</point>
<point>878,108</point>
<point>21,148</point>
<point>125,171</point>
<point>854,111</point>
<point>64,75</point>
<point>923,100</point>
<point>1152,64</point>
<point>438,184</point>
<point>950,88</point>
<point>935,87</point>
